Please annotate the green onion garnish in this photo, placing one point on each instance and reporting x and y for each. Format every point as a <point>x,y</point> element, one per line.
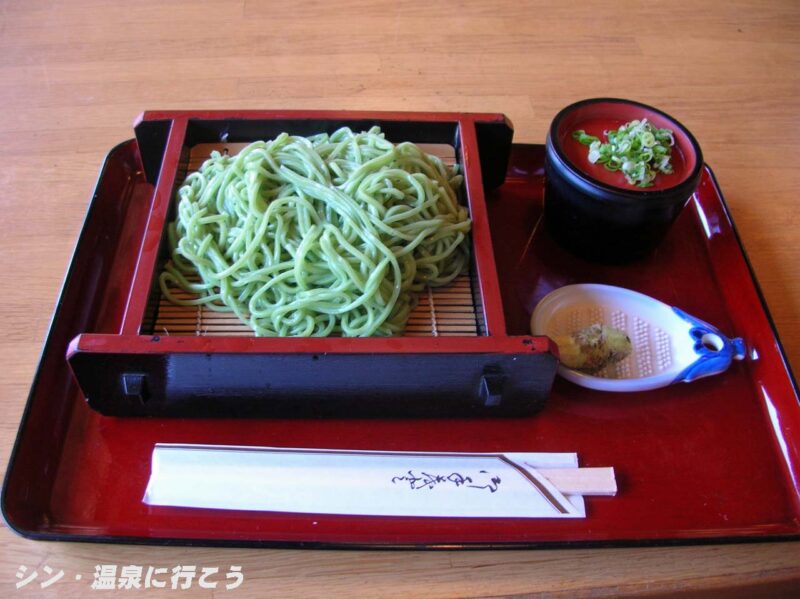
<point>638,149</point>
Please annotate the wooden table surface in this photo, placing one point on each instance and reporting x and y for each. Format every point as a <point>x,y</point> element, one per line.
<point>74,75</point>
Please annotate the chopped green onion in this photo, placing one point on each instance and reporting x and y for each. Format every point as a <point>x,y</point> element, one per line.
<point>583,138</point>
<point>637,149</point>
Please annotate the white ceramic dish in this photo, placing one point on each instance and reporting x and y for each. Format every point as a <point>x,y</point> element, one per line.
<point>669,346</point>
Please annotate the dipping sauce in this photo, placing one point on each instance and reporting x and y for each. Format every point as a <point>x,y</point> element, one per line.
<point>598,118</point>
<point>596,213</point>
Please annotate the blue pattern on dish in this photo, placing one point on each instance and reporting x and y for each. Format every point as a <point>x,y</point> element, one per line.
<point>709,361</point>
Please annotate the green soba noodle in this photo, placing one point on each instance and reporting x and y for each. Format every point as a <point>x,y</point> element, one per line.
<point>326,235</point>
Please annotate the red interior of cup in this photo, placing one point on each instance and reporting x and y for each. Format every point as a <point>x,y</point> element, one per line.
<point>598,117</point>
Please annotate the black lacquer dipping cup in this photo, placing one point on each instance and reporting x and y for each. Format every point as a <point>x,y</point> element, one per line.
<point>595,213</point>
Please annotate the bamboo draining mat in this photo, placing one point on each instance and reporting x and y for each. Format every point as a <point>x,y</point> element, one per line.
<point>453,310</point>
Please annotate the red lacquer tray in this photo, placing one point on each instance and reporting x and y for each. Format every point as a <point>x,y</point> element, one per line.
<point>708,461</point>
